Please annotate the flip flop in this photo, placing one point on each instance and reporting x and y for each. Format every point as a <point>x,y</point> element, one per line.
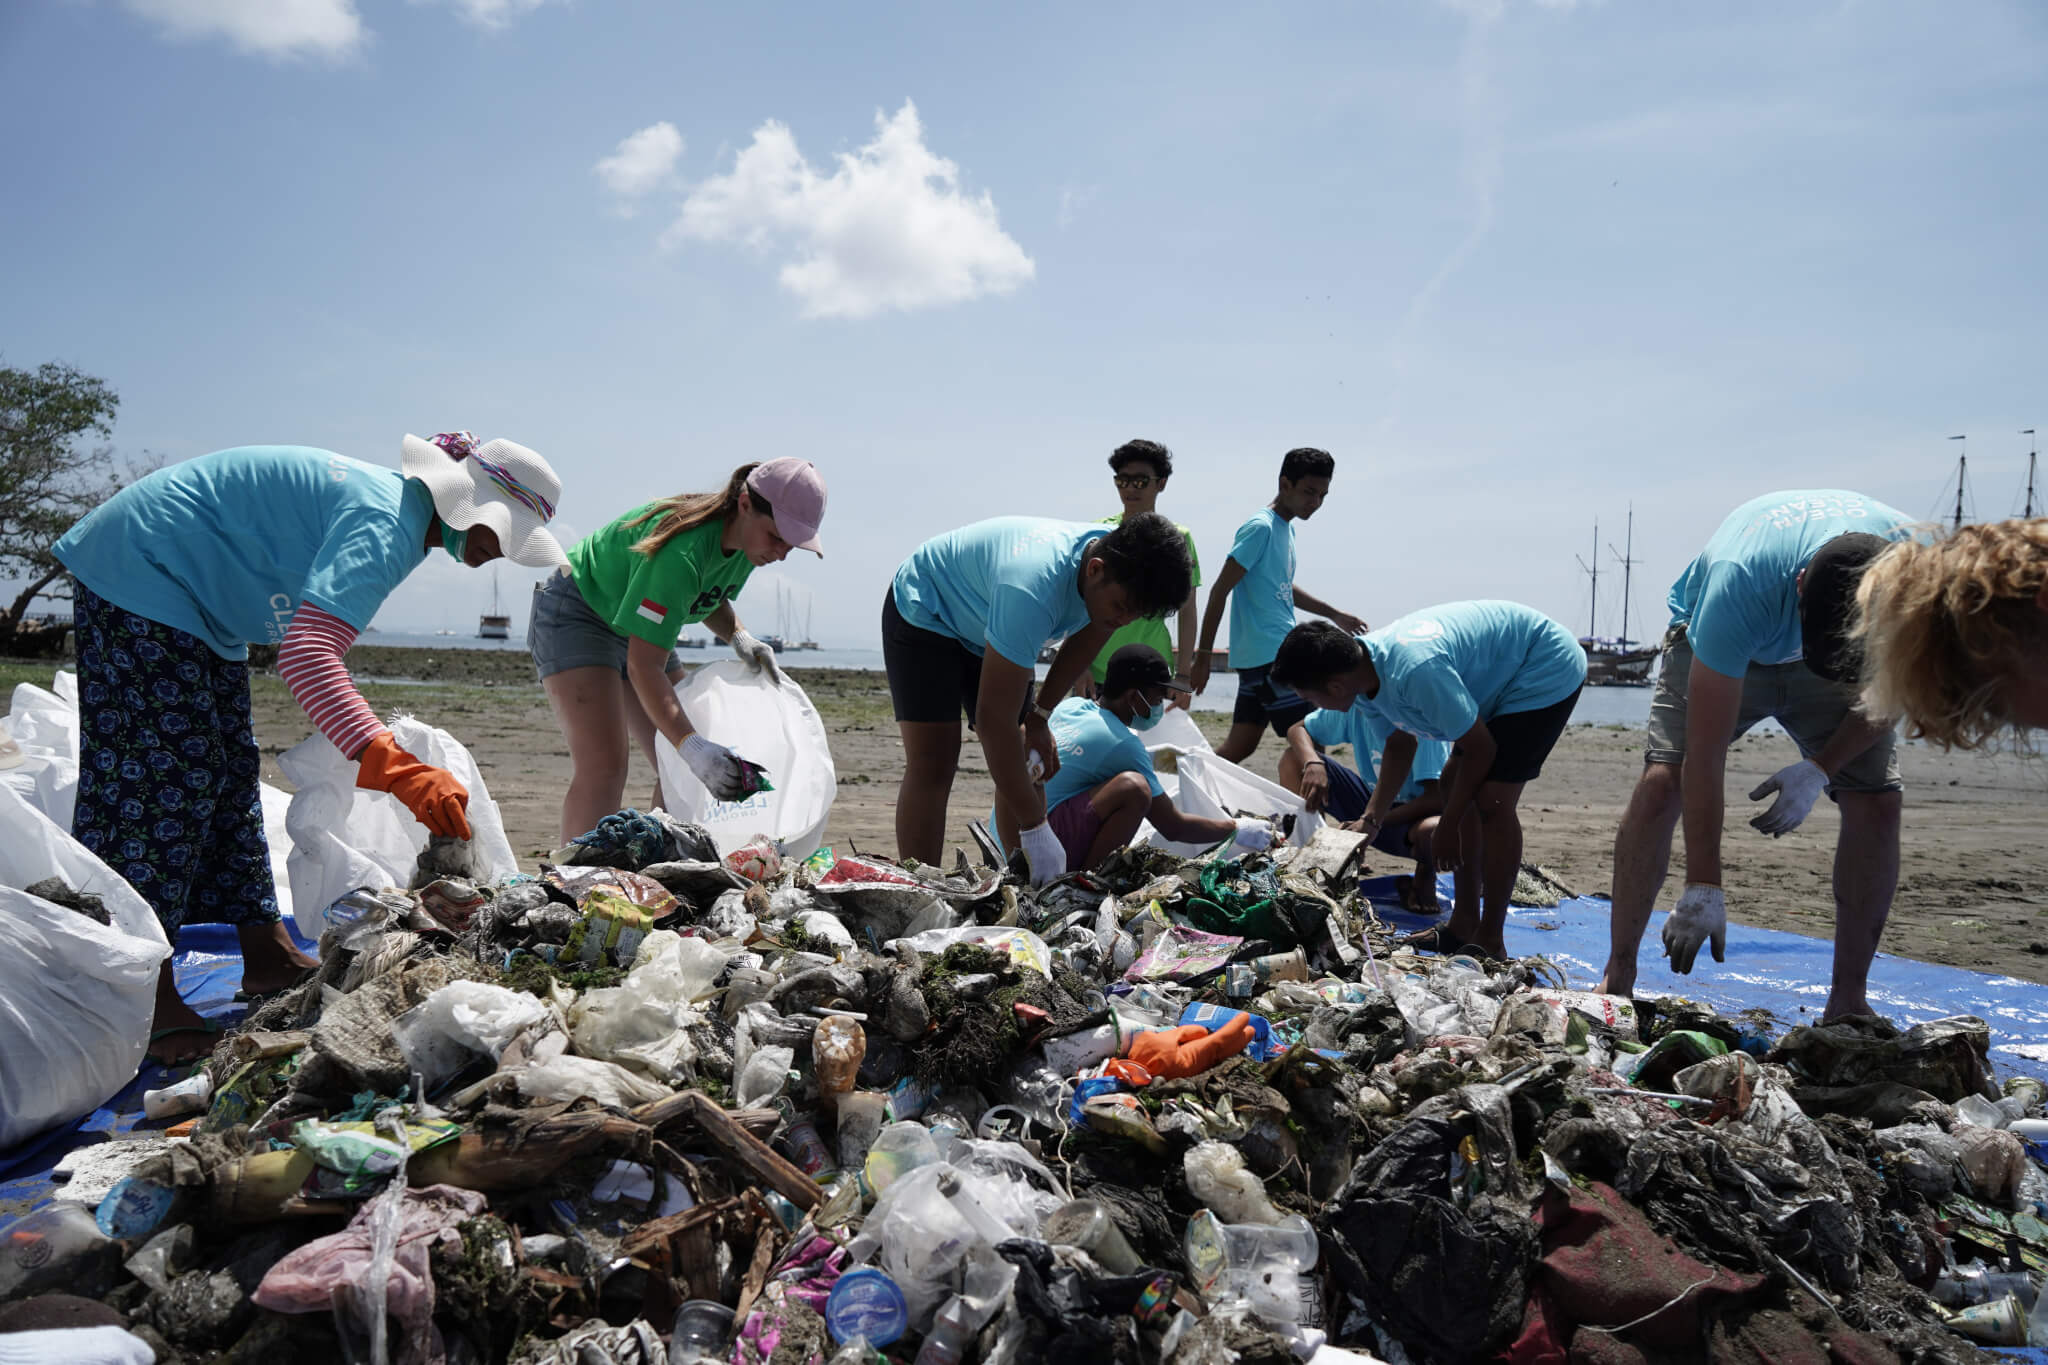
<point>211,1027</point>
<point>1436,939</point>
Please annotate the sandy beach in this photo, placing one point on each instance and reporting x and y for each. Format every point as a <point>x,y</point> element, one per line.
<point>1973,887</point>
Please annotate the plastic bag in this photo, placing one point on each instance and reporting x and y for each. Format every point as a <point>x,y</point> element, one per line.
<point>76,996</point>
<point>44,723</point>
<point>1218,788</point>
<point>439,1034</point>
<point>343,837</point>
<point>642,1023</point>
<point>769,723</point>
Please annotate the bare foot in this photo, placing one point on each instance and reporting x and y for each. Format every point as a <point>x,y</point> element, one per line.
<point>178,1034</point>
<point>1838,1010</point>
<point>270,960</point>
<point>1618,980</point>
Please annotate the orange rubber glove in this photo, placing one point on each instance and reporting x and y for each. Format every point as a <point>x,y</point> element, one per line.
<point>1190,1049</point>
<point>431,794</point>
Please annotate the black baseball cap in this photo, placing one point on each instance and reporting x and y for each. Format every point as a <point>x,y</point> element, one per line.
<point>1827,603</point>
<point>1139,666</point>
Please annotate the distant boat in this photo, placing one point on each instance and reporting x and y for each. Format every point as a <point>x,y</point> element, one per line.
<point>1614,661</point>
<point>807,642</point>
<point>775,642</point>
<point>493,625</point>
<point>692,642</point>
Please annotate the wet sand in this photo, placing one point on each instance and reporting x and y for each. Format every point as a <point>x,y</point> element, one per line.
<point>1973,886</point>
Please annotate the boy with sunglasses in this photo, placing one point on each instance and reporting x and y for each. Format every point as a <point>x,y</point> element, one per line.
<point>1258,582</point>
<point>1141,469</point>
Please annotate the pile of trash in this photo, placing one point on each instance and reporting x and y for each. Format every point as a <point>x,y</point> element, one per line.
<point>658,1104</point>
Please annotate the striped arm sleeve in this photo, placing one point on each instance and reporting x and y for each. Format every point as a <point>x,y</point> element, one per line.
<point>309,661</point>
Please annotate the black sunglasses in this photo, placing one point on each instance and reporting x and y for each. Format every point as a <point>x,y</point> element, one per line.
<point>1134,481</point>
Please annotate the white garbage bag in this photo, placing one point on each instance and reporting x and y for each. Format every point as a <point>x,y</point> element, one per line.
<point>1218,788</point>
<point>44,722</point>
<point>767,723</point>
<point>344,838</point>
<point>76,996</point>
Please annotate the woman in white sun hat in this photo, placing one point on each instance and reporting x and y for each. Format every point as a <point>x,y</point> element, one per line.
<point>604,628</point>
<point>177,575</point>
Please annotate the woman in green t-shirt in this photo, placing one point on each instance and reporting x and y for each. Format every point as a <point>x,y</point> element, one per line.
<point>604,629</point>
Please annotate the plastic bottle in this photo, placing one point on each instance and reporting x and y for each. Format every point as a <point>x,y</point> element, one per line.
<point>837,1048</point>
<point>1086,1224</point>
<point>961,1196</point>
<point>702,1329</point>
<point>948,1340</point>
<point>56,1247</point>
<point>188,1096</point>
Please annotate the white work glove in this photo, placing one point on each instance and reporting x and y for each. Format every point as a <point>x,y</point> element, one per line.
<point>1798,787</point>
<point>1253,835</point>
<point>1044,851</point>
<point>716,766</point>
<point>1701,916</point>
<point>755,655</point>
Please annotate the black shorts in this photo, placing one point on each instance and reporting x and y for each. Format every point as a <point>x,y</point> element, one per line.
<point>932,677</point>
<point>1523,739</point>
<point>1262,701</point>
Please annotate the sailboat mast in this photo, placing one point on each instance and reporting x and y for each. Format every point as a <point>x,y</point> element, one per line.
<point>1593,572</point>
<point>1962,474</point>
<point>2033,457</point>
<point>1627,560</point>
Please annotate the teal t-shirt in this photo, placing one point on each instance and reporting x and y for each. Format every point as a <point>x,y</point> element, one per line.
<point>1442,668</point>
<point>1365,730</point>
<point>1094,746</point>
<point>226,546</point>
<point>1007,584</point>
<point>1740,597</point>
<point>1262,604</point>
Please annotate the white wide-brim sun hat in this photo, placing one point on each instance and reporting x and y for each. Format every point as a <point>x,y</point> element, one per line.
<point>500,484</point>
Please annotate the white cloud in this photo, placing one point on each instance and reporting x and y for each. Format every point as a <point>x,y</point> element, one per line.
<point>890,228</point>
<point>642,162</point>
<point>489,13</point>
<point>268,28</point>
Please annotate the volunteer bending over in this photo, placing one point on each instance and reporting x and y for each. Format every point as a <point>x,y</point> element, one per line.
<point>1497,678</point>
<point>962,625</point>
<point>1329,786</point>
<point>1105,787</point>
<point>603,630</point>
<point>1953,635</point>
<point>1756,632</point>
<point>177,575</point>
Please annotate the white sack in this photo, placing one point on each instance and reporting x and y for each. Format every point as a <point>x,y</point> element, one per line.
<point>343,837</point>
<point>76,997</point>
<point>1217,788</point>
<point>767,723</point>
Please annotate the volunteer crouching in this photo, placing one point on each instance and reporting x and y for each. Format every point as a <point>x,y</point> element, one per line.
<point>177,575</point>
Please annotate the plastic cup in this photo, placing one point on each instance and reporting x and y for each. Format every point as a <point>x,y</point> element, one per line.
<point>701,1332</point>
<point>1086,1224</point>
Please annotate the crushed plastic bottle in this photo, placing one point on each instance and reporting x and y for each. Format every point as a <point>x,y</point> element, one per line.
<point>838,1046</point>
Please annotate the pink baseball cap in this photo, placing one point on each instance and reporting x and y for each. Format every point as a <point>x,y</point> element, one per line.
<point>796,490</point>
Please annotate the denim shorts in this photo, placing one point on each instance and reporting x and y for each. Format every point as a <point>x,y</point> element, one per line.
<point>564,632</point>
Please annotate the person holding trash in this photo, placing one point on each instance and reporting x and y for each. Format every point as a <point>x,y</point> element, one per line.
<point>1105,786</point>
<point>962,624</point>
<point>1140,470</point>
<point>1953,634</point>
<point>1757,631</point>
<point>603,629</point>
<point>177,575</point>
<point>1340,792</point>
<point>1497,679</point>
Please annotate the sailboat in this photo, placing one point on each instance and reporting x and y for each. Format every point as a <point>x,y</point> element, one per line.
<point>493,624</point>
<point>807,642</point>
<point>1614,661</point>
<point>779,641</point>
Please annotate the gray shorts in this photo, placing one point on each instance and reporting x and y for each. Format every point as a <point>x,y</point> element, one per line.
<point>564,633</point>
<point>1809,707</point>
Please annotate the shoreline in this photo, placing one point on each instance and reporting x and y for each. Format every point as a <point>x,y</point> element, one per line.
<point>1973,886</point>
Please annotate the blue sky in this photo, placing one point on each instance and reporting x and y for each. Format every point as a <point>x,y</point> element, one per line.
<point>1515,264</point>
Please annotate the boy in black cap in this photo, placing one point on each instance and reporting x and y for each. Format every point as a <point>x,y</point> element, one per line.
<point>1105,788</point>
<point>1758,632</point>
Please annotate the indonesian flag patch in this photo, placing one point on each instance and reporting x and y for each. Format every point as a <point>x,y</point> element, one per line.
<point>653,610</point>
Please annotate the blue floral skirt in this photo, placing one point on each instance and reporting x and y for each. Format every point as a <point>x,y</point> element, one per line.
<point>169,792</point>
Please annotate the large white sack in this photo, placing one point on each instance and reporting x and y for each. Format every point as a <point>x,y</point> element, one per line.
<point>45,724</point>
<point>76,997</point>
<point>1218,788</point>
<point>343,837</point>
<point>772,724</point>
